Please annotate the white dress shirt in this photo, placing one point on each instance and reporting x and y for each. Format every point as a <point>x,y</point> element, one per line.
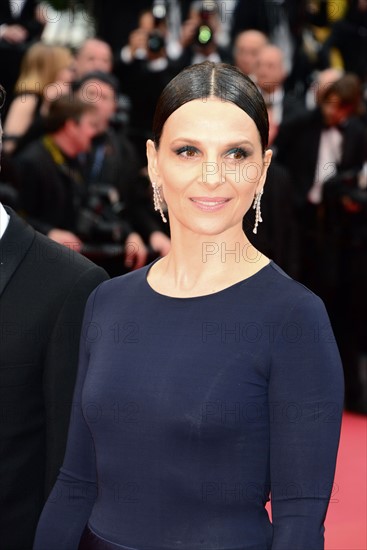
<point>274,102</point>
<point>4,220</point>
<point>16,7</point>
<point>330,152</point>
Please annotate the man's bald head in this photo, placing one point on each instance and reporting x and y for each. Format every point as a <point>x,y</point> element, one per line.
<point>93,55</point>
<point>246,49</point>
<point>270,70</point>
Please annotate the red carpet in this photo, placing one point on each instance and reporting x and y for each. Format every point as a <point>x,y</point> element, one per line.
<point>346,522</point>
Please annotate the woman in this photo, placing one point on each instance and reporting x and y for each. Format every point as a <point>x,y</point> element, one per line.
<point>208,378</point>
<point>46,73</point>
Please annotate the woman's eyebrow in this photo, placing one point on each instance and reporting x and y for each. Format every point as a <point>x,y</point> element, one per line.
<point>196,142</point>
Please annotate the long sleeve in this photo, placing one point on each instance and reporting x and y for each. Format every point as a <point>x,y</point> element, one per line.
<point>305,409</point>
<point>70,502</point>
<point>155,448</point>
<point>60,369</point>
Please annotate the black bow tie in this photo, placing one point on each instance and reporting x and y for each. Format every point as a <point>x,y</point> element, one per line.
<point>341,126</point>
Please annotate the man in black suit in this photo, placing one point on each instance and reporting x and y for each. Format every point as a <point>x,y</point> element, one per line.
<point>58,201</point>
<point>43,290</point>
<point>303,142</point>
<point>18,21</point>
<point>324,151</point>
<point>321,146</point>
<point>283,21</point>
<point>19,26</point>
<point>115,22</point>
<point>271,77</point>
<point>50,182</point>
<point>112,160</point>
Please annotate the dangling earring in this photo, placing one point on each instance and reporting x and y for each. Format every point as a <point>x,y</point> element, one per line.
<point>157,200</point>
<point>256,206</point>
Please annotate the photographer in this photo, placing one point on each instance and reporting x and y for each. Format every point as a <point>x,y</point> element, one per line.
<point>55,197</point>
<point>50,181</point>
<point>145,66</point>
<point>150,24</point>
<point>200,36</point>
<point>111,169</point>
<point>164,17</point>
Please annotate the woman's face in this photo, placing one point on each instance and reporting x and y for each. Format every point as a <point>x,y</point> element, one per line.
<point>209,165</point>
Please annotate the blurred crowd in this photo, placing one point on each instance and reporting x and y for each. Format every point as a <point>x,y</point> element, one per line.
<point>76,120</point>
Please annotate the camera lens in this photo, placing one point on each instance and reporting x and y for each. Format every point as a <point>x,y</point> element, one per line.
<point>204,35</point>
<point>155,42</point>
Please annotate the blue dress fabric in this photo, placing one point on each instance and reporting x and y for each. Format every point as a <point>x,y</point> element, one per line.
<point>189,413</point>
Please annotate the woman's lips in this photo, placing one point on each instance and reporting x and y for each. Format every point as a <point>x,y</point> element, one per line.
<point>209,204</point>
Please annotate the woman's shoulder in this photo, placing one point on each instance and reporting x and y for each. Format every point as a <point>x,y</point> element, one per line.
<point>21,111</point>
<point>115,295</point>
<point>24,102</point>
<point>280,289</point>
<point>128,283</point>
<point>273,287</point>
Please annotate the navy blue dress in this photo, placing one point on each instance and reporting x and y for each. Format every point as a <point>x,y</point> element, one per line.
<point>189,412</point>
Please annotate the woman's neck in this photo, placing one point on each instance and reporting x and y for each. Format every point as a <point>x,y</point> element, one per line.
<point>201,264</point>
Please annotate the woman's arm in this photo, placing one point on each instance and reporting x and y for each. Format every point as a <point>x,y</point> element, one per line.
<point>18,120</point>
<point>306,402</point>
<point>69,505</point>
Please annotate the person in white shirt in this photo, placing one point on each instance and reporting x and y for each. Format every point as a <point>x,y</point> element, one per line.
<point>270,77</point>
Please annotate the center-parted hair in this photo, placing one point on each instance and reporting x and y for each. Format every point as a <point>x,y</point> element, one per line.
<point>208,79</point>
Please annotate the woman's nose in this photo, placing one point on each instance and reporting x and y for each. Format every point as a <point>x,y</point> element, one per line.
<point>212,173</point>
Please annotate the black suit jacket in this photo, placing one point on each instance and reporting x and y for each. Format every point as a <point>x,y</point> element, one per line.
<point>26,17</point>
<point>297,147</point>
<point>11,54</point>
<point>43,290</point>
<point>258,15</point>
<point>50,194</point>
<point>293,106</point>
<point>115,21</point>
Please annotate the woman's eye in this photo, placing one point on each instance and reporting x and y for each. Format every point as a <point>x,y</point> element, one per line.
<point>187,151</point>
<point>237,154</point>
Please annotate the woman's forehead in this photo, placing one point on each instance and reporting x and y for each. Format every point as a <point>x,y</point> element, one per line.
<point>208,115</point>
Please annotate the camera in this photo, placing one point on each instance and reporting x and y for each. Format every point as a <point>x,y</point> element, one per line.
<point>99,219</point>
<point>155,42</point>
<point>204,33</point>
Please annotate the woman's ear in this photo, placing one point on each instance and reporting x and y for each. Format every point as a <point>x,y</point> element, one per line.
<point>267,160</point>
<point>152,157</point>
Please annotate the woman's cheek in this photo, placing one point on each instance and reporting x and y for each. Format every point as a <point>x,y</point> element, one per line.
<point>177,177</point>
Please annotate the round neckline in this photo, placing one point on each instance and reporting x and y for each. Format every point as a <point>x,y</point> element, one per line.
<point>202,296</point>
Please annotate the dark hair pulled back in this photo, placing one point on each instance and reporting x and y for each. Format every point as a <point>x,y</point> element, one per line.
<point>208,79</point>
